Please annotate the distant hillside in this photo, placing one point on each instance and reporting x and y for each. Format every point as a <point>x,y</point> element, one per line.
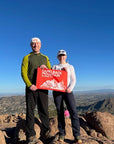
<point>103,106</point>
<point>12,105</point>
<point>17,104</point>
<point>98,91</point>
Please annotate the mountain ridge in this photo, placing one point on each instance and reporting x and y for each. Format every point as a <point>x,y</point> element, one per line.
<point>17,104</point>
<point>75,91</point>
<point>102,106</point>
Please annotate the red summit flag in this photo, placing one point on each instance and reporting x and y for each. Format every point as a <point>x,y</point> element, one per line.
<point>51,79</point>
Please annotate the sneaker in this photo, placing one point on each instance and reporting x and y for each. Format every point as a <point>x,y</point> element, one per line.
<point>78,140</point>
<point>61,138</point>
<point>56,137</point>
<point>45,134</point>
<point>32,140</point>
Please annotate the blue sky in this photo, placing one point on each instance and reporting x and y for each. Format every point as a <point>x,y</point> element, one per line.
<point>84,28</point>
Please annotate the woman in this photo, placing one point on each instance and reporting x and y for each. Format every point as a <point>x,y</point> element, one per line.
<point>68,97</point>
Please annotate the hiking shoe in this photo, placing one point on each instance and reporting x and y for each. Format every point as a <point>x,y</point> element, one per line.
<point>78,140</point>
<point>56,137</point>
<point>32,140</point>
<point>61,138</point>
<point>45,134</point>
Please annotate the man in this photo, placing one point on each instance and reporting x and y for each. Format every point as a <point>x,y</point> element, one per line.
<point>35,96</point>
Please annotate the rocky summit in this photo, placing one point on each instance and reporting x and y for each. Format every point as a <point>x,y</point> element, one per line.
<point>95,128</point>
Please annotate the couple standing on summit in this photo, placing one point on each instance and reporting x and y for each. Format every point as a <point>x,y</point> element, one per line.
<point>39,97</point>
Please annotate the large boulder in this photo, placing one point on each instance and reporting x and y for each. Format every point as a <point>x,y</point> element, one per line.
<point>101,122</point>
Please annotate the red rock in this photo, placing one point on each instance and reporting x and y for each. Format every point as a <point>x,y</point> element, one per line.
<point>102,122</point>
<point>2,138</point>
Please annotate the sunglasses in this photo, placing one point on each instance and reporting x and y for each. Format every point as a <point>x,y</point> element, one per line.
<point>61,55</point>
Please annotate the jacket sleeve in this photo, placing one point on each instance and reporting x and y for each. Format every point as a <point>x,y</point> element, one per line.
<point>73,78</point>
<point>48,63</point>
<point>24,71</point>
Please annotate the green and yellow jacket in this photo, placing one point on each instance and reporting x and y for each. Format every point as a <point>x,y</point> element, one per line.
<point>29,67</point>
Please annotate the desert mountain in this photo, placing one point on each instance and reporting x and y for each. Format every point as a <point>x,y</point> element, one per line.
<point>103,105</point>
<point>16,104</point>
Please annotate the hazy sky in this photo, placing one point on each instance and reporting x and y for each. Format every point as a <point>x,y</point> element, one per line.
<point>84,28</point>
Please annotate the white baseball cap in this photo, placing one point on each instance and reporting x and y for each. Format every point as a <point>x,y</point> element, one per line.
<point>61,52</point>
<point>35,39</point>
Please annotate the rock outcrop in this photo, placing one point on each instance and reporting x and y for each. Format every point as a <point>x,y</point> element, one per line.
<point>95,128</point>
<point>101,122</point>
<point>2,138</point>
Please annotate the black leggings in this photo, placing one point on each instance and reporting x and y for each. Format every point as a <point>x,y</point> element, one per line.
<point>39,98</point>
<point>71,105</point>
